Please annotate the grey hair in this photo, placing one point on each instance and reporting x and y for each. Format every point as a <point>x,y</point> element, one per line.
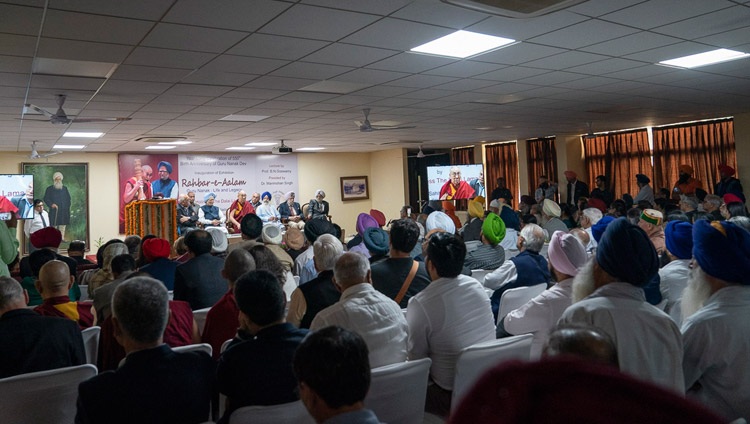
<point>238,262</point>
<point>593,215</point>
<point>713,199</point>
<point>326,250</point>
<point>141,306</point>
<point>351,268</point>
<point>740,221</point>
<point>534,237</point>
<point>690,201</point>
<point>10,292</point>
<point>320,192</point>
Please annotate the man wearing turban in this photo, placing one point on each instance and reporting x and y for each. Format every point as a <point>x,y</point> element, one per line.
<point>490,254</point>
<point>267,212</point>
<point>551,212</point>
<point>716,336</point>
<point>674,275</point>
<point>728,183</point>
<point>209,214</point>
<point>608,294</point>
<point>645,192</point>
<point>685,184</point>
<point>165,187</point>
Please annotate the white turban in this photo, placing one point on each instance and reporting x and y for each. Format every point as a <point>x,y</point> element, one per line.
<point>440,220</point>
<point>551,208</point>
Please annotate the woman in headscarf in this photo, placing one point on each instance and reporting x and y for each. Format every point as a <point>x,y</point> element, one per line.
<point>104,275</point>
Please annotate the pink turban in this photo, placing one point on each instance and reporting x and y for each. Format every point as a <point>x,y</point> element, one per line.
<point>566,253</point>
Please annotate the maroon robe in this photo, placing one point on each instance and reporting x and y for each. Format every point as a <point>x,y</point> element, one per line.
<point>62,307</point>
<point>222,323</point>
<point>238,212</point>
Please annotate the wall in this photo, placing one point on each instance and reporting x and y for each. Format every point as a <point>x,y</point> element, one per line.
<point>389,184</point>
<point>742,144</point>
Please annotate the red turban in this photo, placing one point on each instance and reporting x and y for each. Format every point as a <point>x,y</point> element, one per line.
<point>155,248</point>
<point>379,216</point>
<point>570,174</point>
<point>46,237</point>
<point>726,169</point>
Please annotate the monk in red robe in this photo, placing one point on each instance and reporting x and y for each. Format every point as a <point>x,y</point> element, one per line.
<point>455,188</point>
<point>53,284</point>
<point>239,208</point>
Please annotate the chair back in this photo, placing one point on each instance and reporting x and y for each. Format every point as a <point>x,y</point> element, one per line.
<point>43,397</point>
<point>200,317</point>
<point>91,343</point>
<point>305,208</point>
<point>200,347</point>
<point>474,360</point>
<point>478,274</point>
<point>84,291</point>
<point>513,299</point>
<point>294,412</point>
<point>397,392</point>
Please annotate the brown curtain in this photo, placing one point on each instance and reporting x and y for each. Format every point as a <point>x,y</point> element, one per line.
<point>542,160</point>
<point>502,162</point>
<point>702,145</point>
<point>619,157</point>
<point>463,156</point>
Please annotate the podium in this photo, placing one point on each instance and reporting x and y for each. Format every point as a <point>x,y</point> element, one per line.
<point>157,217</point>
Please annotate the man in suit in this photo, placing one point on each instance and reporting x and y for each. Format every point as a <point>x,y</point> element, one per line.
<point>291,212</point>
<point>199,281</point>
<point>155,384</point>
<point>576,189</point>
<point>30,342</point>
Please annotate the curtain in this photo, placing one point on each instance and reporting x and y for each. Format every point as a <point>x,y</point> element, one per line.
<point>702,145</point>
<point>463,156</point>
<point>619,157</point>
<point>542,160</point>
<point>502,162</point>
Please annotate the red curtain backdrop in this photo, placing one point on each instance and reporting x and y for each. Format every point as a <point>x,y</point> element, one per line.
<point>541,160</point>
<point>463,156</point>
<point>702,145</point>
<point>619,157</point>
<point>502,162</point>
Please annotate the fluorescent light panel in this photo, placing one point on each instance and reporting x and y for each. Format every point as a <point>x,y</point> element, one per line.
<point>83,134</point>
<point>462,44</point>
<point>160,147</point>
<point>310,149</point>
<point>69,146</point>
<point>705,59</point>
<point>244,118</point>
<point>240,148</point>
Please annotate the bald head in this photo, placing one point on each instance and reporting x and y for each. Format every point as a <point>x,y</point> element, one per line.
<point>54,279</point>
<point>351,269</point>
<point>587,343</point>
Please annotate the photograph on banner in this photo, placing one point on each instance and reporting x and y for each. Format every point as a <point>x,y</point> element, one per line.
<point>145,177</point>
<point>16,196</point>
<point>453,182</point>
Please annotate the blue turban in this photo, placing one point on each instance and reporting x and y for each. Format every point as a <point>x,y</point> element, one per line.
<point>598,229</point>
<point>376,240</point>
<point>510,218</point>
<point>166,165</point>
<point>679,238</point>
<point>626,253</point>
<point>266,193</point>
<point>211,194</point>
<point>722,249</point>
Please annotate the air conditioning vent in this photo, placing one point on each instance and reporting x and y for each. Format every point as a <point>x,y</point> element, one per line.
<point>515,8</point>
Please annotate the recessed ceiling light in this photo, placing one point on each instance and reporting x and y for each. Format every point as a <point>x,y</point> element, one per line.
<point>76,68</point>
<point>175,143</point>
<point>244,118</point>
<point>240,148</point>
<point>310,149</point>
<point>261,144</point>
<point>69,146</point>
<point>704,59</point>
<point>484,128</point>
<point>160,147</point>
<point>83,134</point>
<point>462,44</point>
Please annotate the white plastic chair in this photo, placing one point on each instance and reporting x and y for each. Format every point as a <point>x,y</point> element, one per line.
<point>84,292</point>
<point>294,412</point>
<point>397,391</point>
<point>199,315</point>
<point>199,347</point>
<point>474,360</point>
<point>43,397</point>
<point>91,343</point>
<point>478,274</point>
<point>513,299</point>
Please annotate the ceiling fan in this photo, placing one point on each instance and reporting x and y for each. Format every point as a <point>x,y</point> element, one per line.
<point>420,154</point>
<point>60,117</point>
<point>366,126</point>
<point>36,155</point>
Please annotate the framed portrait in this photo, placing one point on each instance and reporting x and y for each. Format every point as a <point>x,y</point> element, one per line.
<point>354,188</point>
<point>64,188</point>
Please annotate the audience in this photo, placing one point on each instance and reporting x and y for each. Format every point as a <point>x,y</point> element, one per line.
<point>104,275</point>
<point>582,342</point>
<point>304,266</point>
<point>155,384</point>
<point>54,284</point>
<point>256,368</point>
<point>333,371</point>
<point>122,266</point>
<point>490,254</point>
<point>271,235</point>
<point>155,253</point>
<point>365,311</point>
<point>319,293</point>
<point>674,275</point>
<point>199,281</point>
<point>77,250</point>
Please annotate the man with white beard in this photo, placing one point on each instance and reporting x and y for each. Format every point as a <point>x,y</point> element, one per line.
<point>608,294</point>
<point>717,336</point>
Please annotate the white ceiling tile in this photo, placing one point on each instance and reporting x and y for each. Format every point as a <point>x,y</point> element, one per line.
<point>149,56</point>
<point>396,34</point>
<point>552,78</point>
<point>380,7</point>
<point>565,60</point>
<point>240,15</point>
<point>123,87</point>
<point>330,24</point>
<point>633,43</point>
<point>668,52</point>
<point>138,9</point>
<point>464,69</point>
<point>197,90</point>
<point>276,47</point>
<point>18,19</point>
<point>82,50</point>
<point>520,53</point>
<point>605,66</point>
<point>207,76</point>
<point>524,29</point>
<point>349,55</point>
<point>149,73</point>
<point>601,7</point>
<point>310,70</point>
<point>421,81</point>
<point>17,45</point>
<point>13,80</point>
<point>66,83</point>
<point>652,14</point>
<point>172,36</point>
<point>15,64</point>
<point>729,40</point>
<point>411,62</point>
<point>711,23</point>
<point>511,73</point>
<point>102,29</point>
<point>435,13</point>
<point>583,34</point>
<point>466,85</point>
<point>369,76</point>
<point>244,64</point>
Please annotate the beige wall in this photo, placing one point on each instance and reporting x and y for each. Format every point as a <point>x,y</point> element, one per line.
<point>742,143</point>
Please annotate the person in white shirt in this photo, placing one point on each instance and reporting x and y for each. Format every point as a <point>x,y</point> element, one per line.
<point>40,220</point>
<point>608,294</point>
<point>717,336</point>
<point>539,315</point>
<point>645,192</point>
<point>678,236</point>
<point>589,217</point>
<point>450,314</point>
<point>365,311</point>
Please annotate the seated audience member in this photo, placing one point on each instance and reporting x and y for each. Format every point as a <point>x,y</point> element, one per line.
<point>333,371</point>
<point>512,228</point>
<point>104,275</point>
<point>528,268</point>
<point>155,384</point>
<point>219,241</point>
<point>8,244</point>
<point>48,238</point>
<point>712,204</point>
<point>256,368</point>
<point>221,321</point>
<point>583,342</point>
<point>35,261</point>
<point>272,238</point>
<point>179,250</point>
<point>156,251</point>
<point>581,235</point>
<point>551,213</point>
<point>30,342</point>
<point>140,259</point>
<point>400,277</point>
<point>495,205</point>
<point>134,245</point>
<point>290,211</point>
<point>319,293</point>
<point>674,275</point>
<point>608,294</point>
<point>650,222</point>
<point>54,284</point>
<point>294,239</point>
<point>379,217</point>
<point>589,218</point>
<point>304,267</point>
<point>365,311</point>
<point>540,314</point>
<point>449,315</point>
<point>489,255</point>
<point>77,250</point>
<point>357,244</point>
<point>210,215</point>
<point>716,333</point>
<point>251,228</point>
<point>634,215</point>
<point>266,260</point>
<point>377,244</point>
<point>199,281</point>
<point>267,211</point>
<point>237,210</point>
<point>122,266</point>
<point>473,227</point>
<point>542,392</point>
<point>439,220</point>
<point>84,278</point>
<point>688,205</point>
<point>187,216</point>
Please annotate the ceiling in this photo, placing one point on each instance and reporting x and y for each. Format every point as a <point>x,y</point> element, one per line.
<point>183,65</point>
